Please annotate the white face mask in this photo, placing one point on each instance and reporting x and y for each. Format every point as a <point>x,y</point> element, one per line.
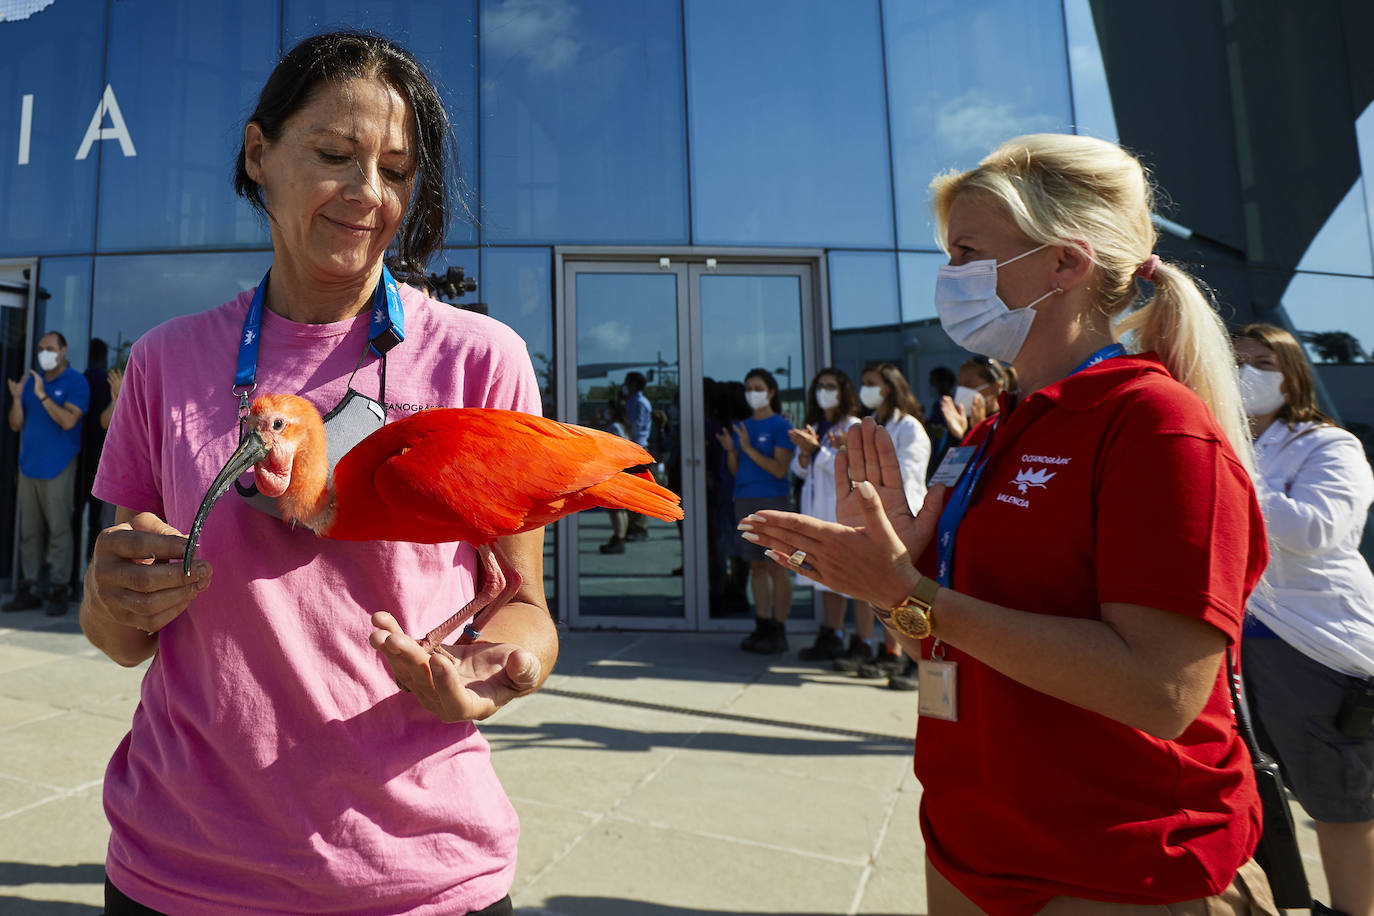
<point>871,396</point>
<point>757,399</point>
<point>964,397</point>
<point>47,360</point>
<point>973,316</point>
<point>827,399</point>
<point>1259,391</point>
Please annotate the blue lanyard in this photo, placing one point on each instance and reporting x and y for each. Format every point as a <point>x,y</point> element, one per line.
<point>958,502</point>
<point>386,329</point>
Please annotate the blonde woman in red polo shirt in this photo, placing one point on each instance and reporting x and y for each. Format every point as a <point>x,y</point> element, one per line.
<point>1076,744</point>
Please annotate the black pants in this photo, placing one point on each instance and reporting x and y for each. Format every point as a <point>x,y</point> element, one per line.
<point>116,904</point>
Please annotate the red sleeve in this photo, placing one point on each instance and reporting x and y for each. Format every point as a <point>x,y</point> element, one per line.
<point>1178,527</point>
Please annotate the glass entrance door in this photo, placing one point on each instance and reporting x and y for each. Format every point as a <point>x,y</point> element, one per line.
<point>657,352</point>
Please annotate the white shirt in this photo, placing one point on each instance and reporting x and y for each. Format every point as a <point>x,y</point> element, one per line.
<point>913,454</point>
<point>1315,489</point>
<point>818,488</point>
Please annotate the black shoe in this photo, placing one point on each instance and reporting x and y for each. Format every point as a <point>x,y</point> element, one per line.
<point>614,545</point>
<point>857,654</point>
<point>906,680</point>
<point>24,600</point>
<point>829,645</point>
<point>57,601</point>
<point>774,639</point>
<point>885,663</point>
<point>751,642</point>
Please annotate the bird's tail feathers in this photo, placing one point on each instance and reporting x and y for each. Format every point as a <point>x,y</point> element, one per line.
<point>630,491</point>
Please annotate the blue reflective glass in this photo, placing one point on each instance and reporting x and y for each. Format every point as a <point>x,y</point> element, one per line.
<point>1333,315</point>
<point>139,292</point>
<point>442,35</point>
<point>789,136</point>
<point>185,122</point>
<point>518,291</point>
<point>1342,245</point>
<point>50,86</point>
<point>918,271</point>
<point>863,289</point>
<point>1093,114</point>
<point>64,304</point>
<point>963,78</point>
<point>582,121</point>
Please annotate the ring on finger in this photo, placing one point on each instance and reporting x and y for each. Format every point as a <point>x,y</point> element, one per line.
<point>797,558</point>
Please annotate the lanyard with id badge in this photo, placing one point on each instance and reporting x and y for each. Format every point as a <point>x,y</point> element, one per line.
<point>938,677</point>
<point>356,415</point>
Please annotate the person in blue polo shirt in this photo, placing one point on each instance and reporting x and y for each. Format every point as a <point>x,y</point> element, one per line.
<point>46,409</point>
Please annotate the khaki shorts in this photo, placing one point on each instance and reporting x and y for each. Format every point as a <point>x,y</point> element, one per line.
<point>1248,895</point>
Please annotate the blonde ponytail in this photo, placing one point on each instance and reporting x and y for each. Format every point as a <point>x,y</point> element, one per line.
<point>1065,190</point>
<point>1181,324</point>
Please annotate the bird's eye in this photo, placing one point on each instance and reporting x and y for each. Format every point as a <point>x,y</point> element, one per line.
<point>278,423</point>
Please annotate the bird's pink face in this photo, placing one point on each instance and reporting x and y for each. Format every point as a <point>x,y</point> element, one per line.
<point>278,420</point>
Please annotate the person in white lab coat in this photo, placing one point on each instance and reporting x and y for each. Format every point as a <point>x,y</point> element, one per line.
<point>886,393</point>
<point>1308,652</point>
<point>831,408</point>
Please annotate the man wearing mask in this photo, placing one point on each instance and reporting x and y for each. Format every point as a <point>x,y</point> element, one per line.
<point>46,410</point>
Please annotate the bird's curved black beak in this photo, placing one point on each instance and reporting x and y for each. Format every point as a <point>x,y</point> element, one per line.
<point>251,450</point>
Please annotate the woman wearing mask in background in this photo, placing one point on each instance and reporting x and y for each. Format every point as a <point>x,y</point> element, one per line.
<point>1309,639</point>
<point>831,408</point>
<point>757,451</point>
<point>977,397</point>
<point>1086,571</point>
<point>895,408</point>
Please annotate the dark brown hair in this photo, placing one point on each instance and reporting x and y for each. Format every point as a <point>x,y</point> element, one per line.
<point>774,402</point>
<point>1297,373</point>
<point>340,57</point>
<point>849,401</point>
<point>901,396</point>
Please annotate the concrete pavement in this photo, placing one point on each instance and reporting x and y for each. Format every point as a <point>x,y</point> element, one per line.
<point>657,774</point>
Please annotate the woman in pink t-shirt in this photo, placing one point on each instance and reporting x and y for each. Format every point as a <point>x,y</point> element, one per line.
<point>293,749</point>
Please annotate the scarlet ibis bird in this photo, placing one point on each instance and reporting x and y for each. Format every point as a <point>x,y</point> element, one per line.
<point>448,474</point>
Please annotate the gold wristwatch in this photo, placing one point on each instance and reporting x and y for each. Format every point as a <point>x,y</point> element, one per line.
<point>913,616</point>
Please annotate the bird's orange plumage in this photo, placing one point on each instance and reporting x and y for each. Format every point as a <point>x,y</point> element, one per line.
<point>475,474</point>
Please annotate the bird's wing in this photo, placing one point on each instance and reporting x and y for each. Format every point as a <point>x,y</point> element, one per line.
<point>486,470</point>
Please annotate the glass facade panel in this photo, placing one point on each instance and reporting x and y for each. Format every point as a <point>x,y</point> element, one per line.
<point>627,322</point>
<point>918,272</point>
<point>962,78</point>
<point>517,287</point>
<point>863,289</point>
<point>64,305</point>
<point>139,292</point>
<point>1092,100</point>
<point>185,117</point>
<point>442,34</point>
<point>747,322</point>
<point>789,139</point>
<point>50,86</point>
<point>582,121</point>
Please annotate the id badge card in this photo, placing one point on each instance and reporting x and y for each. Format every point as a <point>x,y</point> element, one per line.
<point>938,689</point>
<point>955,460</point>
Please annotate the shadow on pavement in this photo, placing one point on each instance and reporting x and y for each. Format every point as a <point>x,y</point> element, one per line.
<point>513,737</point>
<point>13,874</point>
<point>609,906</point>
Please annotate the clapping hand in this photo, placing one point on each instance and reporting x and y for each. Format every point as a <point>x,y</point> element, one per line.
<point>868,553</point>
<point>116,377</point>
<point>805,438</point>
<point>16,387</point>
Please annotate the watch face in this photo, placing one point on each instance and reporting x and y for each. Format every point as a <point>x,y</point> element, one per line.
<point>911,621</point>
